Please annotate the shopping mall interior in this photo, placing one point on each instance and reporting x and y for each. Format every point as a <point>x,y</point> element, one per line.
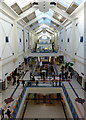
<point>42,60</point>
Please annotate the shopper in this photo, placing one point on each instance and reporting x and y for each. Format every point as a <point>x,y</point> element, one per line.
<point>18,82</point>
<point>71,75</point>
<point>36,82</point>
<point>66,75</point>
<point>2,114</point>
<point>23,82</point>
<point>30,74</point>
<point>33,78</point>
<point>8,113</point>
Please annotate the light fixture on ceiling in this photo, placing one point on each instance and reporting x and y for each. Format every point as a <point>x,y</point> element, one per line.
<point>59,17</point>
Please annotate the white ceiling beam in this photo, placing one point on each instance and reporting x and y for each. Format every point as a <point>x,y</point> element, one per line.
<point>41,29</point>
<point>8,10</point>
<point>64,14</point>
<point>49,31</point>
<point>43,23</point>
<point>44,16</point>
<point>44,26</point>
<point>26,13</point>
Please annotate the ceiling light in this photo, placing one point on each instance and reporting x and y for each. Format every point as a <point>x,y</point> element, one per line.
<point>59,17</point>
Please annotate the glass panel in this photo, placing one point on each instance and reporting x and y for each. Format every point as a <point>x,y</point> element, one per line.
<point>41,20</point>
<point>78,2</point>
<point>38,13</point>
<point>47,20</point>
<point>65,3</point>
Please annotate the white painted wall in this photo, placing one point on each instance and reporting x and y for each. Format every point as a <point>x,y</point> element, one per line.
<point>6,29</point>
<point>7,63</point>
<point>74,33</point>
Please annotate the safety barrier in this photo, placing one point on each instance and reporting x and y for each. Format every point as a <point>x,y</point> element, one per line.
<point>71,106</point>
<point>44,83</point>
<point>44,52</point>
<point>18,103</point>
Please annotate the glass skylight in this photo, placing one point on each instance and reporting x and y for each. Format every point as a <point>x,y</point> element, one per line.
<point>21,3</point>
<point>41,20</point>
<point>65,3</point>
<point>49,13</point>
<point>78,2</point>
<point>38,13</point>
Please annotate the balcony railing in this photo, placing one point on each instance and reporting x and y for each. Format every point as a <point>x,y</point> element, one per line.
<point>18,103</point>
<point>44,51</point>
<point>71,106</point>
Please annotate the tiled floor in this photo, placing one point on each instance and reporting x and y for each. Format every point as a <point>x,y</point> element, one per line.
<point>80,108</point>
<point>43,111</point>
<point>6,93</point>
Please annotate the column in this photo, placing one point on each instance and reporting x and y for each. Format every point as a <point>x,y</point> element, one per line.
<point>73,41</point>
<point>24,41</point>
<point>64,43</point>
<point>15,41</point>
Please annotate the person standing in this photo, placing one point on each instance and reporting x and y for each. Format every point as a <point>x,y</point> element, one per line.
<point>71,75</point>
<point>2,114</point>
<point>37,82</point>
<point>40,64</point>
<point>66,75</point>
<point>23,82</point>
<point>30,74</point>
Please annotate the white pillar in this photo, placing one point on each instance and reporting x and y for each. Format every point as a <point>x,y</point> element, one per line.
<point>15,40</point>
<point>24,41</point>
<point>73,40</point>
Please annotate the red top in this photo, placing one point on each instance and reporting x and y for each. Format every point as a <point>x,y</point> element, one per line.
<point>59,79</point>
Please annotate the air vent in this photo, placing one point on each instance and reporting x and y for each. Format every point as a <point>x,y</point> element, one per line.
<point>35,3</point>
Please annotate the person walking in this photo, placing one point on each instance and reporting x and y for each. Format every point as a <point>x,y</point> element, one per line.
<point>18,82</point>
<point>8,113</point>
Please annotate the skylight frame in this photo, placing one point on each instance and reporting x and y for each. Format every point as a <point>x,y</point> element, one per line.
<point>21,3</point>
<point>49,13</point>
